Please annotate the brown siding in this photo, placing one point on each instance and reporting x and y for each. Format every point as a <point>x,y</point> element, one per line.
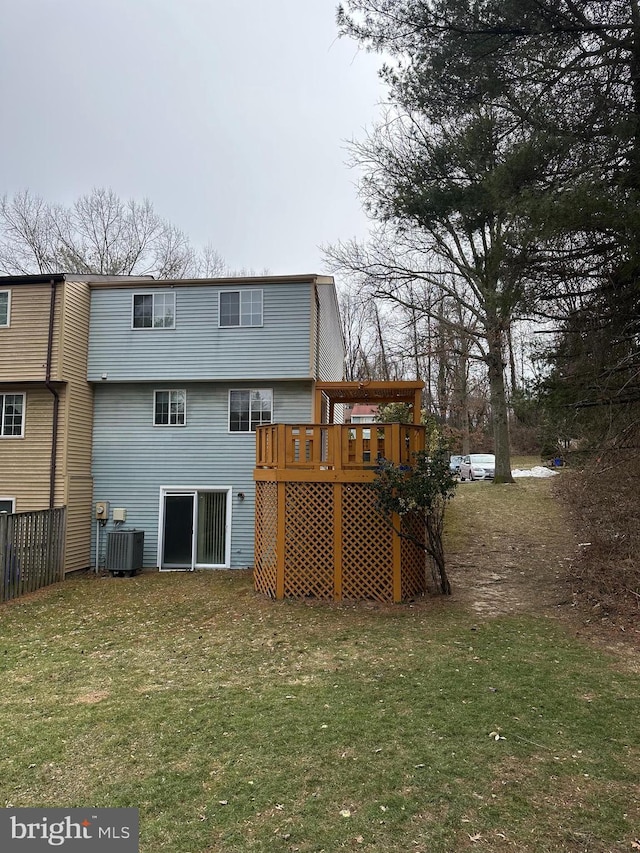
<point>79,521</point>
<point>61,468</point>
<point>78,417</point>
<point>24,462</point>
<point>23,345</point>
<point>76,422</point>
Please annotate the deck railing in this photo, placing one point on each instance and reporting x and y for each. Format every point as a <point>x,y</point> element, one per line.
<point>336,447</point>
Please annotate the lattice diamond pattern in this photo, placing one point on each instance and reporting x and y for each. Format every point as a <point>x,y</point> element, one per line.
<point>367,547</point>
<point>264,575</point>
<point>413,558</point>
<point>309,540</point>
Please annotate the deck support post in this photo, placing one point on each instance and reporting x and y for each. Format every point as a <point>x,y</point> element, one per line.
<point>397,560</point>
<point>337,541</point>
<point>281,541</point>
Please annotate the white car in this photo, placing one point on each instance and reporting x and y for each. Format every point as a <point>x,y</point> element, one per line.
<point>478,466</point>
<point>454,465</point>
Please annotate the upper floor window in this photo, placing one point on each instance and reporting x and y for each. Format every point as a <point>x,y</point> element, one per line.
<point>5,304</point>
<point>240,308</point>
<point>11,415</point>
<point>170,408</point>
<point>154,310</point>
<point>249,409</point>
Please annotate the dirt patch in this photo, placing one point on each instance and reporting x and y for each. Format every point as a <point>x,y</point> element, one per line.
<point>92,698</point>
<point>517,549</point>
<point>510,548</point>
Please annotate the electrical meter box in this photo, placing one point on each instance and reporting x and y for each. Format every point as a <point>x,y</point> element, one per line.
<point>102,510</point>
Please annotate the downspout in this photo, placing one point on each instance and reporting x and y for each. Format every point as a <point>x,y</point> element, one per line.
<point>56,400</point>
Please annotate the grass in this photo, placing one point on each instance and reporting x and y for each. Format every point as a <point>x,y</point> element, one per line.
<point>525,511</point>
<point>238,724</point>
<point>525,462</point>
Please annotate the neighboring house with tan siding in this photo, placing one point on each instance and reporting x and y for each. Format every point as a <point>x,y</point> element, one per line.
<point>46,403</point>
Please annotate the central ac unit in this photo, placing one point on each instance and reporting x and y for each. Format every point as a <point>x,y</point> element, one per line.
<point>125,552</point>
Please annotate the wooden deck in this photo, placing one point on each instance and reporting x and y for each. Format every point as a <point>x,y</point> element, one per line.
<point>318,533</point>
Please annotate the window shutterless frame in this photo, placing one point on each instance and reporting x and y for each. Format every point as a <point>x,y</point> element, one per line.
<point>12,413</point>
<point>7,505</point>
<point>237,308</point>
<point>153,310</point>
<point>170,407</point>
<point>249,408</point>
<point>5,308</point>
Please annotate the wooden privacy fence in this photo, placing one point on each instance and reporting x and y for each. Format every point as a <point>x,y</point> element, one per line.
<point>31,548</point>
<point>318,533</point>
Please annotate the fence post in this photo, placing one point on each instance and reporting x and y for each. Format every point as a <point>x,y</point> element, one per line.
<point>4,554</point>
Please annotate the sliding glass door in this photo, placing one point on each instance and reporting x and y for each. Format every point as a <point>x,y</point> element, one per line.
<point>195,528</point>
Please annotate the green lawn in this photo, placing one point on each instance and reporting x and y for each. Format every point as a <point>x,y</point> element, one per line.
<point>235,723</point>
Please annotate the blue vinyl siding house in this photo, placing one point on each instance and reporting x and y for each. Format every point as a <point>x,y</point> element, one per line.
<point>182,373</point>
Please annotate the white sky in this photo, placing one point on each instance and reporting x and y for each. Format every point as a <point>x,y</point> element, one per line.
<point>231,117</point>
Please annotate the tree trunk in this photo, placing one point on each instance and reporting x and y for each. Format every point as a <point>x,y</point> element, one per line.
<point>499,411</point>
<point>512,363</point>
<point>466,437</point>
<point>383,365</point>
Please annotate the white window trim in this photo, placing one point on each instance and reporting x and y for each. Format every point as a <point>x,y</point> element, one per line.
<point>24,414</point>
<point>13,502</point>
<point>240,324</point>
<point>8,323</point>
<point>193,490</point>
<point>152,328</point>
<point>169,390</point>
<point>245,431</point>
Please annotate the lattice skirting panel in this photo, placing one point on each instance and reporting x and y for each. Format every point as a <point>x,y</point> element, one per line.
<point>265,572</point>
<point>367,547</point>
<point>335,545</point>
<point>308,550</point>
<point>413,558</point>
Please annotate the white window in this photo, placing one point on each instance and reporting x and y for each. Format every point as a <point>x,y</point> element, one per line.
<point>249,408</point>
<point>5,306</point>
<point>240,308</point>
<point>154,310</point>
<point>170,408</point>
<point>7,505</point>
<point>11,415</point>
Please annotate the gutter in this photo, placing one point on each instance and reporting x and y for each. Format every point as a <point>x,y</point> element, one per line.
<point>56,396</point>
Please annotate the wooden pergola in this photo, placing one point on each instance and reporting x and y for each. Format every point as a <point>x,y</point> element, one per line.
<point>317,530</point>
<point>374,393</point>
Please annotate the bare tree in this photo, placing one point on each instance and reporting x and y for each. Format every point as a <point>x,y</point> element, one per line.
<point>356,330</point>
<point>210,263</point>
<point>405,267</point>
<point>409,330</point>
<point>98,233</point>
<point>27,242</point>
